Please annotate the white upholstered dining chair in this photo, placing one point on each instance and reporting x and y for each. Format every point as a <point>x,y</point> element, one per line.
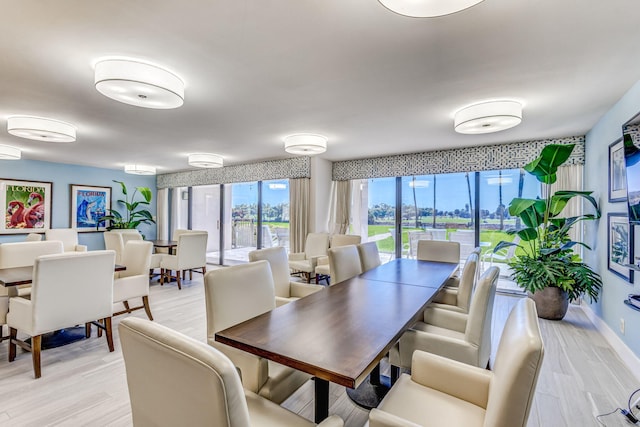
<point>238,293</point>
<point>285,289</point>
<point>67,290</point>
<point>33,237</point>
<point>133,283</point>
<point>442,392</point>
<point>458,299</point>
<point>205,387</point>
<point>441,251</point>
<point>316,246</point>
<point>323,269</point>
<point>344,262</point>
<point>369,256</point>
<point>68,237</point>
<point>191,254</point>
<point>458,336</point>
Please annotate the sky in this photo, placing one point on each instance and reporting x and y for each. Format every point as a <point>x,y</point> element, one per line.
<point>452,191</point>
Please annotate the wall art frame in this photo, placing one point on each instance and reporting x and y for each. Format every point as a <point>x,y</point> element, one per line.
<point>88,203</point>
<point>617,172</point>
<point>620,246</point>
<point>26,206</point>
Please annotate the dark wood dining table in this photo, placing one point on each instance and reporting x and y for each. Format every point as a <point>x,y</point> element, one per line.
<point>340,333</point>
<point>170,245</point>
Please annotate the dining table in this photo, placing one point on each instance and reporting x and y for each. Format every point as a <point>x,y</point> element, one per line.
<point>340,333</point>
<point>169,245</point>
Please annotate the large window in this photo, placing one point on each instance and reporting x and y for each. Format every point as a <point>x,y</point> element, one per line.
<point>275,213</point>
<point>244,222</point>
<point>381,218</point>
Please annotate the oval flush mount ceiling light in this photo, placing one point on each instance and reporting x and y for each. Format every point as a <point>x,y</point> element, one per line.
<point>305,143</point>
<point>427,8</point>
<point>138,83</point>
<point>140,169</point>
<point>487,117</point>
<point>9,153</point>
<point>205,160</point>
<point>41,129</point>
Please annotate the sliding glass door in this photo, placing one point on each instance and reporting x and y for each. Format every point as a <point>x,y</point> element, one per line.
<point>275,213</point>
<point>205,215</point>
<point>244,221</point>
<point>382,215</point>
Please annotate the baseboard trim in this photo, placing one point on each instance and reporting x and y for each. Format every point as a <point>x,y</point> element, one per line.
<point>626,355</point>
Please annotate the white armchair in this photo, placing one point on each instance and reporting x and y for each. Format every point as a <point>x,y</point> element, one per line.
<point>68,237</point>
<point>462,337</point>
<point>191,254</point>
<point>33,237</point>
<point>233,295</point>
<point>67,290</point>
<point>315,246</point>
<point>205,387</point>
<point>323,269</point>
<point>133,282</point>
<point>445,393</point>
<point>285,290</point>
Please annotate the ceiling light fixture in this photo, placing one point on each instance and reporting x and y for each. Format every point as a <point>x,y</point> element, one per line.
<point>427,8</point>
<point>140,169</point>
<point>305,143</point>
<point>487,117</point>
<point>205,160</point>
<point>138,83</point>
<point>9,153</point>
<point>41,129</point>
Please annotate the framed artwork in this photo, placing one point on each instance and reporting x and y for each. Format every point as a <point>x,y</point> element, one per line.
<point>617,172</point>
<point>620,245</point>
<point>88,203</point>
<point>27,206</point>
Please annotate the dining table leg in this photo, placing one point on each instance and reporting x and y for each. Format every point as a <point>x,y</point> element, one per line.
<point>321,399</point>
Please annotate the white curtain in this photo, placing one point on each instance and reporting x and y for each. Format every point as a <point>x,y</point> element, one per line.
<point>179,209</point>
<point>570,177</point>
<point>162,208</point>
<point>299,190</point>
<point>340,207</point>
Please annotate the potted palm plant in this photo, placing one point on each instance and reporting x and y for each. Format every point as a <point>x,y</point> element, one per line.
<point>133,215</point>
<point>546,264</point>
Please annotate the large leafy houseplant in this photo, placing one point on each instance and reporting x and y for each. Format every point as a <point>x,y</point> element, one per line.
<point>547,258</point>
<point>134,214</point>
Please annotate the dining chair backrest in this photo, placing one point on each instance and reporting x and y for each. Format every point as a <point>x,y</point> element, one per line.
<point>279,264</point>
<point>130,235</point>
<point>369,256</point>
<point>24,254</point>
<point>344,262</point>
<point>478,328</point>
<point>113,241</point>
<point>467,282</point>
<point>237,293</point>
<point>338,240</point>
<point>136,257</point>
<point>438,250</point>
<point>516,368</point>
<point>68,237</point>
<point>33,237</point>
<point>316,245</point>
<point>204,383</point>
<point>192,250</point>
<point>69,289</point>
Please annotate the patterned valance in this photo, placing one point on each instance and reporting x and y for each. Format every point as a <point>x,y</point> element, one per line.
<point>471,159</point>
<point>297,167</point>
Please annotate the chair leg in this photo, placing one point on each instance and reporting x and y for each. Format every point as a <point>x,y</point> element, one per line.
<point>87,330</point>
<point>190,274</point>
<point>162,272</point>
<point>13,335</point>
<point>178,280</point>
<point>204,270</point>
<point>36,343</point>
<point>395,374</point>
<point>147,309</point>
<point>126,306</point>
<point>109,332</point>
<point>99,330</point>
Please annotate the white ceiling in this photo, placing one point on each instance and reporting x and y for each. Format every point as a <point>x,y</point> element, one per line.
<point>370,80</point>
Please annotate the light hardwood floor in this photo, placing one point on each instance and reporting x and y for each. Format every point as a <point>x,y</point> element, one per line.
<point>83,384</point>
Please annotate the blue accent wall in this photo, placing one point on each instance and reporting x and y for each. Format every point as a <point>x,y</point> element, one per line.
<point>62,176</point>
<point>610,307</point>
